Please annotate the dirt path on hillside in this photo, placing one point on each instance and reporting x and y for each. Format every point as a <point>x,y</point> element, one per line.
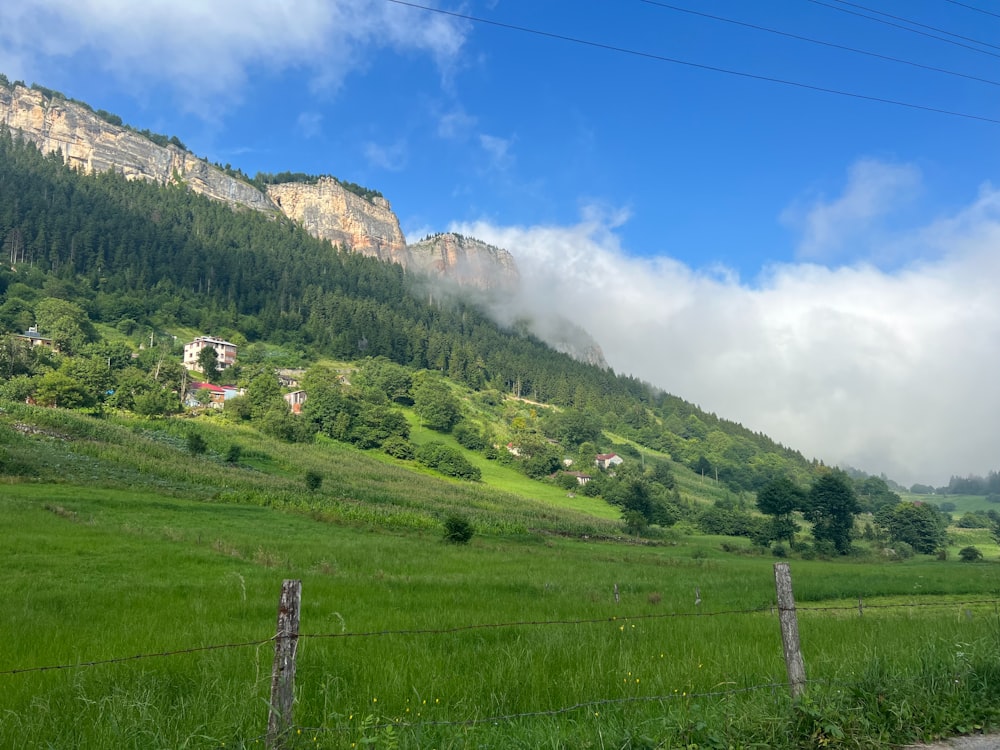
<point>975,742</point>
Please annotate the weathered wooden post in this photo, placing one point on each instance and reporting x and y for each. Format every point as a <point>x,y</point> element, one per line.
<point>286,641</point>
<point>789,630</point>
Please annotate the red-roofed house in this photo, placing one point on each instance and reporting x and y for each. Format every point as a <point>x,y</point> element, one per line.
<point>608,460</point>
<point>216,395</point>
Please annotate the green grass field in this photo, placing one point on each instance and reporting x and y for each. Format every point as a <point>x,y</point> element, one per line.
<point>124,546</point>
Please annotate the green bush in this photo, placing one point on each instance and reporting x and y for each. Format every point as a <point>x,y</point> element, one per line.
<point>398,447</point>
<point>314,480</point>
<point>458,529</point>
<point>969,554</point>
<point>447,460</point>
<point>196,444</point>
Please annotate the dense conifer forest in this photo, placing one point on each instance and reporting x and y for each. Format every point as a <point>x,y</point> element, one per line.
<point>147,260</point>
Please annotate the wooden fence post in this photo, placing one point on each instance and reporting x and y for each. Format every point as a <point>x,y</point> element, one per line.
<point>286,641</point>
<point>789,630</point>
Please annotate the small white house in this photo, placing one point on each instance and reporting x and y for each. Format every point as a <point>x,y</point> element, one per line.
<point>608,460</point>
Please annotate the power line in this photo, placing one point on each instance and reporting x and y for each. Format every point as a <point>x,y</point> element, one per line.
<point>820,42</point>
<point>907,28</point>
<point>917,24</point>
<point>973,7</point>
<point>699,66</point>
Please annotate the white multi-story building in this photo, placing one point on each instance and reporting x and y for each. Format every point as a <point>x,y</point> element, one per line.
<point>225,352</point>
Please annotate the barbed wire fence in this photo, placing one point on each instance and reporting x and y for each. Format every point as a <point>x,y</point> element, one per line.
<point>286,637</point>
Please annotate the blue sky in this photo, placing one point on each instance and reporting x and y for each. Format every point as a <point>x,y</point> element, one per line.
<point>817,266</point>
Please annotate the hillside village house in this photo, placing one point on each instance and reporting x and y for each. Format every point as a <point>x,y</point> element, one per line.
<point>225,352</point>
<point>34,338</point>
<point>295,400</point>
<point>217,394</point>
<point>608,460</point>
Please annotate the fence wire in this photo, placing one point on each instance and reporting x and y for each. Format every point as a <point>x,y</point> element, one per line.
<point>770,608</point>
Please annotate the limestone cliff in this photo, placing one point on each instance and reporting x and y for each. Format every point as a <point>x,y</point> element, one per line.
<point>90,144</point>
<point>324,207</point>
<point>465,261</point>
<point>330,212</point>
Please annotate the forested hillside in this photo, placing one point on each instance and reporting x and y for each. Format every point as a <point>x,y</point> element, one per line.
<point>104,265</point>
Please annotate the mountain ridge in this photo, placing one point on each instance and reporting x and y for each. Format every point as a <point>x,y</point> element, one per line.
<point>92,141</point>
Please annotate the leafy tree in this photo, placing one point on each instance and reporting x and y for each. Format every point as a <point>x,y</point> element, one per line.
<point>874,493</point>
<point>263,393</point>
<point>831,506</point>
<point>17,388</point>
<point>919,525</point>
<point>435,404</point>
<point>279,422</point>
<point>572,427</point>
<point>373,424</point>
<point>469,436</point>
<point>380,379</point>
<point>65,323</point>
<point>779,498</point>
<point>970,554</point>
<point>208,363</point>
<point>727,520</point>
<point>59,389</point>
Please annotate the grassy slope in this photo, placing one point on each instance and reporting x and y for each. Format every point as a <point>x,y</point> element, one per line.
<point>131,547</point>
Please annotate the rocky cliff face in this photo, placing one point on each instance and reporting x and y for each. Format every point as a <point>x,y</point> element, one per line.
<point>90,144</point>
<point>330,212</point>
<point>465,261</point>
<point>324,208</point>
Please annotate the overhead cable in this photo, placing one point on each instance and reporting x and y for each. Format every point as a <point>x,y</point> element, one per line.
<point>973,7</point>
<point>820,42</point>
<point>690,64</point>
<point>909,29</point>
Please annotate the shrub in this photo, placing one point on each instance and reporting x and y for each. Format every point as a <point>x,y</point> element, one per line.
<point>635,522</point>
<point>969,554</point>
<point>233,454</point>
<point>903,550</point>
<point>196,444</point>
<point>458,529</point>
<point>447,460</point>
<point>314,480</point>
<point>398,447</point>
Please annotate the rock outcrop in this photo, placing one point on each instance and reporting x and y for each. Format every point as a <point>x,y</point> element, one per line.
<point>330,212</point>
<point>324,207</point>
<point>90,144</point>
<point>464,261</point>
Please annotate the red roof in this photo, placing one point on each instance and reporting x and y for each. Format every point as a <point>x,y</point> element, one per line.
<point>207,386</point>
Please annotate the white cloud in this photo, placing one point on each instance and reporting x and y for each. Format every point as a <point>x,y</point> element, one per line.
<point>455,125</point>
<point>208,50</point>
<point>886,371</point>
<point>498,150</point>
<point>310,124</point>
<point>390,157</point>
<point>833,229</point>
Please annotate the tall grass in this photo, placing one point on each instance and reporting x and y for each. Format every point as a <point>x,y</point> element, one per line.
<point>103,573</point>
<point>120,544</point>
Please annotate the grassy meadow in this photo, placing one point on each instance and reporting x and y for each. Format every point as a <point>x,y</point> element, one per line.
<point>118,544</point>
